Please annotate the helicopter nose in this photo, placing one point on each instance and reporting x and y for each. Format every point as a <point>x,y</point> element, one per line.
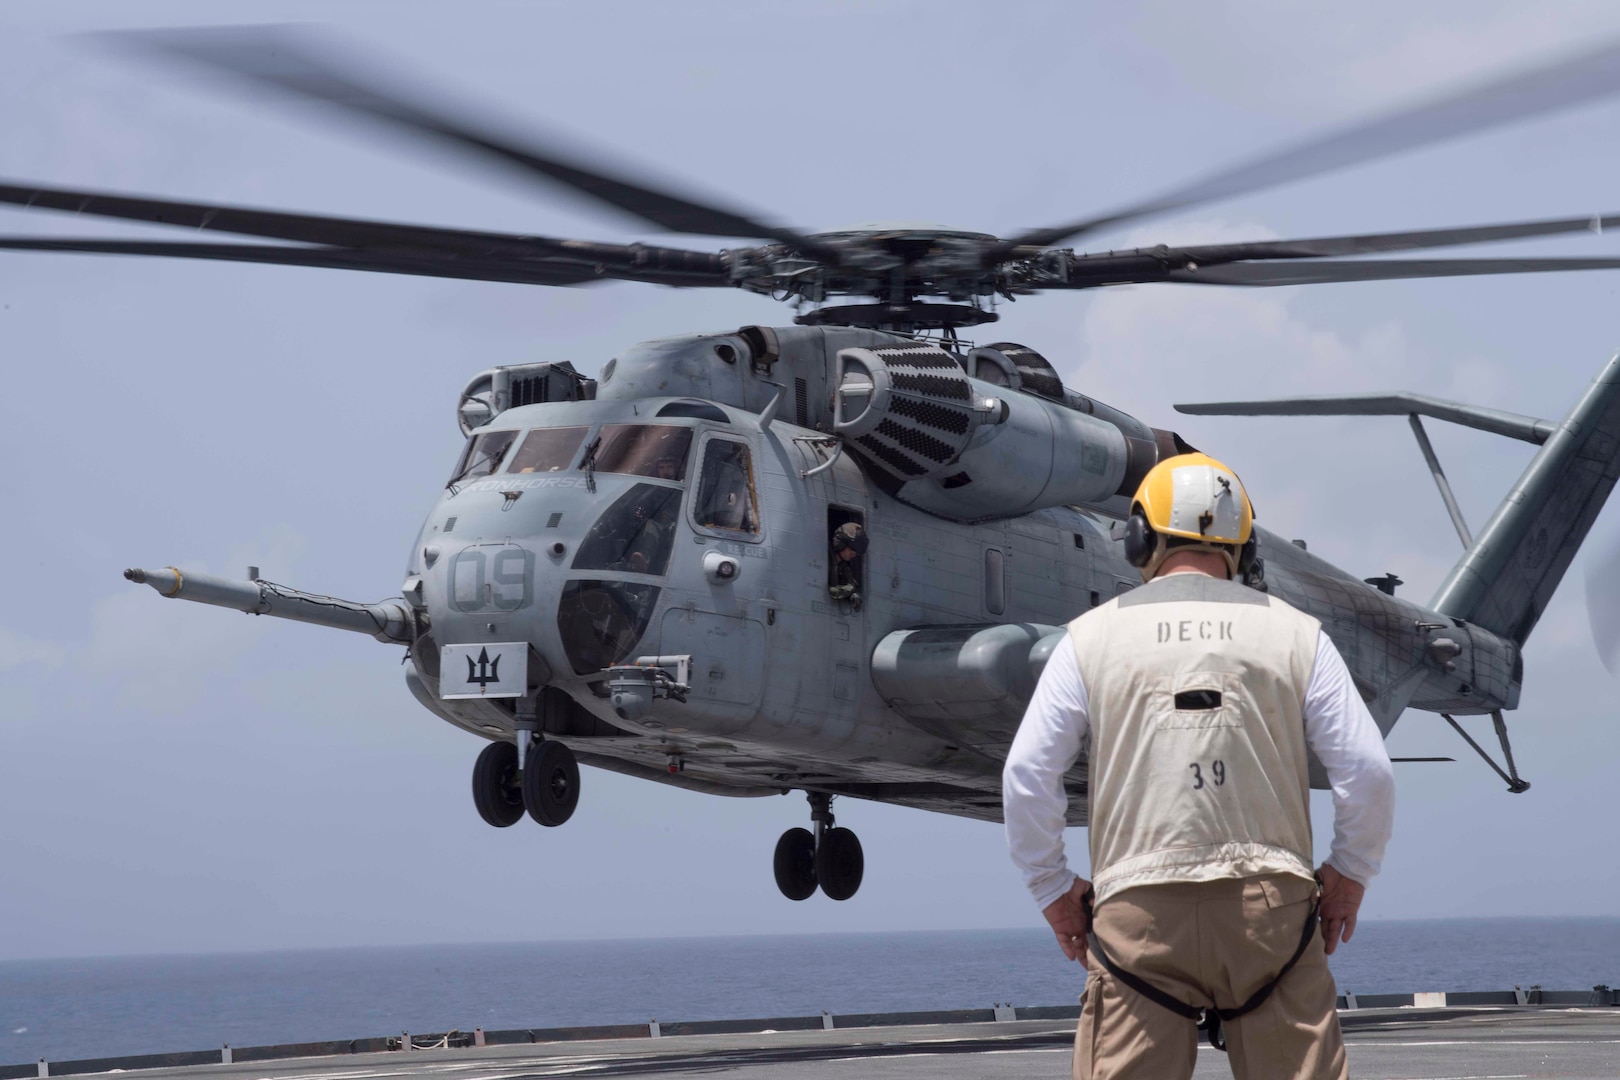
<point>616,574</point>
<point>493,555</point>
<point>575,570</point>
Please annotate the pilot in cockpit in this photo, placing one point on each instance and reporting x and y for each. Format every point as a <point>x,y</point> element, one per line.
<point>645,543</point>
<point>669,454</point>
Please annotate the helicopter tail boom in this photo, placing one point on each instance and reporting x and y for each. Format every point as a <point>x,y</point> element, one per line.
<point>1511,569</point>
<point>388,621</point>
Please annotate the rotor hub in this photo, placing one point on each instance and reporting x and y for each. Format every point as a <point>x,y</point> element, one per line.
<point>902,316</point>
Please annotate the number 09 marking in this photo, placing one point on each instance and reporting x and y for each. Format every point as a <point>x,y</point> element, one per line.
<point>504,581</point>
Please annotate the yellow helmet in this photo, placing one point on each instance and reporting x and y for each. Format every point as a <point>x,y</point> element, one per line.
<point>1196,498</point>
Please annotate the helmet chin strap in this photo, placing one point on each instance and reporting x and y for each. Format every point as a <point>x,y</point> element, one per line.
<point>1162,551</point>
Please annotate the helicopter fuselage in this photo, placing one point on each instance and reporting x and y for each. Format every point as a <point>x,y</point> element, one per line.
<point>682,513</point>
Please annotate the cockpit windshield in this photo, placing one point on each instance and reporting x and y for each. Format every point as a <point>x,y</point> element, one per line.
<point>655,450</point>
<point>547,450</point>
<point>482,455</point>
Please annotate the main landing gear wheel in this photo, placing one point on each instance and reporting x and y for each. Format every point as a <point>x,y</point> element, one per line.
<point>839,863</point>
<point>496,787</point>
<point>795,864</point>
<point>829,857</point>
<point>550,783</point>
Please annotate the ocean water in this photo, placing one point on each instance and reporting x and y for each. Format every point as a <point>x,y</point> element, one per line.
<point>64,1009</point>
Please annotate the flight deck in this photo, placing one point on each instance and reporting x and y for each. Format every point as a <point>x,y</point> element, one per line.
<point>1454,1043</point>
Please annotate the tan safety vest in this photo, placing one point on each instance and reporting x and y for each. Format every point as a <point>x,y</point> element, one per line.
<point>1196,690</point>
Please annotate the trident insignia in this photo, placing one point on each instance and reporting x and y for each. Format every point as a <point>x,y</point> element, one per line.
<point>486,672</point>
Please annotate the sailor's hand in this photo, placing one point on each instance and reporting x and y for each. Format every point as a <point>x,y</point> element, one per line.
<point>1341,899</point>
<point>1067,914</point>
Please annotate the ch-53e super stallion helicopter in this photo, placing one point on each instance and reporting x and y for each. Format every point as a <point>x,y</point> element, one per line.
<point>632,571</point>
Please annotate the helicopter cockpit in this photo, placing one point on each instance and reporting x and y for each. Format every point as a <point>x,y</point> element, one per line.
<point>633,477</point>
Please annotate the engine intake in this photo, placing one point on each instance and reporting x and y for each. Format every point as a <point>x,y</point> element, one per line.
<point>968,449</point>
<point>492,392</point>
<point>909,408</point>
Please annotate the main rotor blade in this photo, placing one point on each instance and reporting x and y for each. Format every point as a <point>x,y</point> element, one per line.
<point>300,64</point>
<point>1157,263</point>
<point>1329,271</point>
<point>1539,90</point>
<point>360,234</point>
<point>1373,243</point>
<point>439,265</point>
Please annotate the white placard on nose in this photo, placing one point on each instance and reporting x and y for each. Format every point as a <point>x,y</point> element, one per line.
<point>488,669</point>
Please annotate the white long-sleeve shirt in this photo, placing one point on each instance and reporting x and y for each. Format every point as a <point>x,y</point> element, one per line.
<point>1057,724</point>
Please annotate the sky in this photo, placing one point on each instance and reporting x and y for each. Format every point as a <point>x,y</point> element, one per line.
<point>181,779</point>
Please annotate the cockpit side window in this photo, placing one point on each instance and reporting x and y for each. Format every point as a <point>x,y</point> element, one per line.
<point>656,450</point>
<point>547,450</point>
<point>482,455</point>
<point>636,533</point>
<point>725,496</point>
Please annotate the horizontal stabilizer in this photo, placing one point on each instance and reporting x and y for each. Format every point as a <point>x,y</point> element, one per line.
<point>1514,426</point>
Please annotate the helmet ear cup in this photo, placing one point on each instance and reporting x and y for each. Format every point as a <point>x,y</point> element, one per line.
<point>849,537</point>
<point>1140,540</point>
<point>1246,556</point>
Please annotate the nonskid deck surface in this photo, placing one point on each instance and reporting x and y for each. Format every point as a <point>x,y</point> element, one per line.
<point>1384,1044</point>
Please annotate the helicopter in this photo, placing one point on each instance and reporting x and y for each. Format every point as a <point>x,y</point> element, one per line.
<point>635,570</point>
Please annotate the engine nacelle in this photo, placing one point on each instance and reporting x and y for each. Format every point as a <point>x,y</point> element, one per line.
<point>969,449</point>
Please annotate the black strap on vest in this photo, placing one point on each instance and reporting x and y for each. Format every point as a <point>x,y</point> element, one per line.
<point>1209,1020</point>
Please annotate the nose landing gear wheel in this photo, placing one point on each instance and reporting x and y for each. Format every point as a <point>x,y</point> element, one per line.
<point>795,864</point>
<point>497,790</point>
<point>839,863</point>
<point>551,783</point>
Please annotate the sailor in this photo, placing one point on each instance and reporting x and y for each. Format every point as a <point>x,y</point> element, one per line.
<point>848,545</point>
<point>1196,699</point>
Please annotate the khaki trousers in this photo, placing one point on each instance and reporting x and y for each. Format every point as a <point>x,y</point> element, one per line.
<point>1211,943</point>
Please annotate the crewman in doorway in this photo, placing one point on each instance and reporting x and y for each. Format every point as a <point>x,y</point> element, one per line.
<point>1196,698</point>
<point>848,547</point>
